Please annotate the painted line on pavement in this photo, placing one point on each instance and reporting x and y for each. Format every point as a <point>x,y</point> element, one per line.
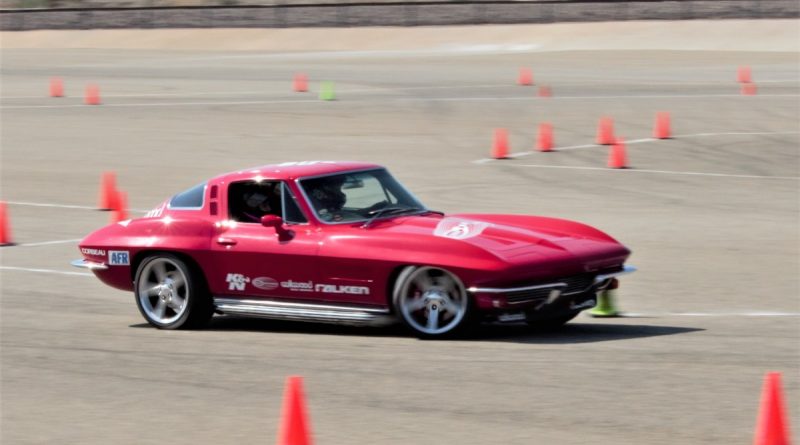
<point>711,314</point>
<point>665,172</point>
<point>522,154</point>
<point>50,271</point>
<point>64,206</point>
<point>48,243</point>
<point>394,99</point>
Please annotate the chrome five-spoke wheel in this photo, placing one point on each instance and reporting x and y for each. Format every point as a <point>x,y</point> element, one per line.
<point>168,295</point>
<point>431,301</point>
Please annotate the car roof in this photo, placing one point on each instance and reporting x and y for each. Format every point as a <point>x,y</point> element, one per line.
<point>294,170</point>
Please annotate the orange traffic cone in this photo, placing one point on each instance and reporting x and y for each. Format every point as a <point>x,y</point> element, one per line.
<point>544,91</point>
<point>617,157</point>
<point>662,128</point>
<point>771,427</point>
<point>525,77</point>
<point>744,75</point>
<point>500,147</point>
<point>295,428</point>
<point>120,212</point>
<point>605,131</point>
<point>749,89</point>
<point>545,141</point>
<point>56,87</point>
<point>92,96</point>
<point>5,230</point>
<point>108,191</point>
<point>300,83</point>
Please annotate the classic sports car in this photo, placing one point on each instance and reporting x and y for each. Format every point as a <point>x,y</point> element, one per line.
<point>344,242</point>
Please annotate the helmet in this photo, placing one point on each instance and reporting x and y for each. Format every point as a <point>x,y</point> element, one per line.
<point>329,194</point>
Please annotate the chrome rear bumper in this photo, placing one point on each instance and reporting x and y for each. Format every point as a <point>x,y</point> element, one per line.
<point>91,265</point>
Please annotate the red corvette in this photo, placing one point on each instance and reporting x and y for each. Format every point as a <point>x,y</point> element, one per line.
<point>345,242</point>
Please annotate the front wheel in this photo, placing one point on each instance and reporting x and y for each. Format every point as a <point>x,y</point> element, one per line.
<point>170,294</point>
<point>432,302</point>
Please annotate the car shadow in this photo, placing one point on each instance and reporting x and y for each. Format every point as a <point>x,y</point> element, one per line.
<point>574,332</point>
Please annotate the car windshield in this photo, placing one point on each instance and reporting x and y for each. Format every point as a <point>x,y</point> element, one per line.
<point>358,196</point>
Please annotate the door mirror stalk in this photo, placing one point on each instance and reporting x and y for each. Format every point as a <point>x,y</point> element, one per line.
<point>276,222</point>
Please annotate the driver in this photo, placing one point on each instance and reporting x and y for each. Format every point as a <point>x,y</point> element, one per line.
<point>329,197</point>
<point>257,204</point>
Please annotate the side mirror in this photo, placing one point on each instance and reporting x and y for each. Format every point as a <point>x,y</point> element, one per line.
<point>277,222</point>
<point>272,221</point>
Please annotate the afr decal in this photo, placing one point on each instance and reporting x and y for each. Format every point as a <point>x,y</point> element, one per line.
<point>119,258</point>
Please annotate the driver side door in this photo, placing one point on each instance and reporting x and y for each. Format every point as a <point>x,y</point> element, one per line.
<point>251,260</point>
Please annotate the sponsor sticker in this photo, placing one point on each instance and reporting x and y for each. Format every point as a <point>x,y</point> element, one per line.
<point>119,258</point>
<point>300,286</point>
<point>265,283</point>
<point>156,212</point>
<point>457,228</point>
<point>338,289</point>
<point>95,252</point>
<point>236,281</point>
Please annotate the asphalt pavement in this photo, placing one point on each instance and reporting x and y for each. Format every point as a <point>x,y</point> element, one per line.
<point>712,216</point>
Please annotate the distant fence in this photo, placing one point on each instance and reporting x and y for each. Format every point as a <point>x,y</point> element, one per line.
<point>407,13</point>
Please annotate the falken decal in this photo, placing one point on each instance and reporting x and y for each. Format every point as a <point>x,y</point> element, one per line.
<point>457,228</point>
<point>339,289</point>
<point>119,258</point>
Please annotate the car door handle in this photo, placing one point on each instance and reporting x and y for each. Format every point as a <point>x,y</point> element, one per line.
<point>226,241</point>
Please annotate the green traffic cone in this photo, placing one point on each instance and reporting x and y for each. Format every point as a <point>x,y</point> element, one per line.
<point>605,305</point>
<point>326,91</point>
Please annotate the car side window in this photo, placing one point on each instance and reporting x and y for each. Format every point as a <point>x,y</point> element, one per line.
<point>291,210</point>
<point>189,199</point>
<point>248,201</point>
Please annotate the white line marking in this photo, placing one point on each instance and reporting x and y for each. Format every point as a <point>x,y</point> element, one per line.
<point>665,172</point>
<point>64,206</point>
<point>59,272</point>
<point>60,206</point>
<point>47,243</point>
<point>712,314</point>
<point>390,99</point>
<point>522,154</point>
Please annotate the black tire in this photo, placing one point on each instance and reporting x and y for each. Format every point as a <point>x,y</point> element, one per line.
<point>172,294</point>
<point>549,324</point>
<point>422,291</point>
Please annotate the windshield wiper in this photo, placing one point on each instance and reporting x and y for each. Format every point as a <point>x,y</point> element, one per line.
<point>374,214</point>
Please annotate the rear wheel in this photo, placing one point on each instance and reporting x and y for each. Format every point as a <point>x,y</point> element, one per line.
<point>170,294</point>
<point>432,302</point>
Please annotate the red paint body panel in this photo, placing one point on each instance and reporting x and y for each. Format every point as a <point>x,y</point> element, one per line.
<point>347,263</point>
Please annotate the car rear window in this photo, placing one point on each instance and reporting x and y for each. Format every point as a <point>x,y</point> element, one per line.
<point>192,198</point>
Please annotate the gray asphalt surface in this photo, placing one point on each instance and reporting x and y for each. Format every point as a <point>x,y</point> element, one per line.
<point>711,215</point>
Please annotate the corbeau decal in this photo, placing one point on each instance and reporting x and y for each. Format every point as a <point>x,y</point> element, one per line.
<point>457,228</point>
<point>236,281</point>
<point>119,258</point>
<point>265,283</point>
<point>95,252</point>
<point>337,289</point>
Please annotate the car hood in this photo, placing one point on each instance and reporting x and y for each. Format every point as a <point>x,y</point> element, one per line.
<point>517,239</point>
